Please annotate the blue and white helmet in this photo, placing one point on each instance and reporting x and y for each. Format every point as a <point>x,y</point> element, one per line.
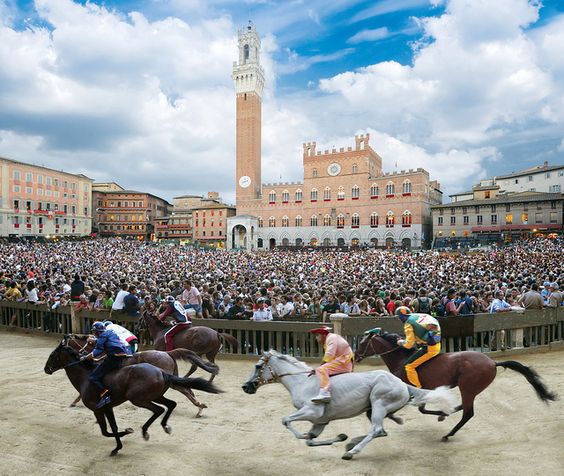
<point>98,327</point>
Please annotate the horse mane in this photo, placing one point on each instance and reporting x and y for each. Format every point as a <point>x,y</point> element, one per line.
<point>289,358</point>
<point>390,338</point>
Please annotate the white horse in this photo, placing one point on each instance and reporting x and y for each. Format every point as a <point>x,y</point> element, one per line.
<point>378,393</point>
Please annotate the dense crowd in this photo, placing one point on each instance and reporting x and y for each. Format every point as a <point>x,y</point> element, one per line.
<point>98,274</point>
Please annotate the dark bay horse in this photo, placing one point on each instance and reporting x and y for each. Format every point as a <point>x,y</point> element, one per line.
<point>470,371</point>
<point>166,361</point>
<point>144,385</point>
<point>199,339</point>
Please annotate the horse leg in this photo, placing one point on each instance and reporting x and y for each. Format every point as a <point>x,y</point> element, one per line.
<point>157,412</point>
<point>189,394</point>
<point>377,430</point>
<point>191,371</point>
<point>109,413</point>
<point>170,405</point>
<point>316,430</point>
<point>75,401</point>
<point>211,357</point>
<point>307,412</point>
<point>467,413</point>
<point>101,419</point>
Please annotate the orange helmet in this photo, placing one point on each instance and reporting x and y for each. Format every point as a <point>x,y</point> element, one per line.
<point>403,312</point>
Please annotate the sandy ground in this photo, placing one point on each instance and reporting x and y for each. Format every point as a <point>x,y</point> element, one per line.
<point>512,432</point>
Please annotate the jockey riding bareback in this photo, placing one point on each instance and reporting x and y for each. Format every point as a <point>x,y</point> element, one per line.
<point>176,310</point>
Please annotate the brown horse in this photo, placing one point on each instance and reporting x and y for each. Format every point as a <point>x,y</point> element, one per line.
<point>166,361</point>
<point>471,372</point>
<point>199,339</point>
<point>144,385</point>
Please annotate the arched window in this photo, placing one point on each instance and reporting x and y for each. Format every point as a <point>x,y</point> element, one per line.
<point>390,189</point>
<point>285,196</point>
<point>260,223</point>
<point>374,220</point>
<point>245,53</point>
<point>272,222</point>
<point>313,220</point>
<point>327,220</point>
<point>355,192</point>
<point>326,241</point>
<point>390,219</point>
<point>374,191</point>
<point>341,193</point>
<point>406,219</point>
<point>299,220</point>
<point>313,195</point>
<point>340,220</point>
<point>406,188</point>
<point>354,169</point>
<point>285,221</point>
<point>355,220</point>
<point>314,173</point>
<point>272,196</point>
<point>327,194</point>
<point>299,195</point>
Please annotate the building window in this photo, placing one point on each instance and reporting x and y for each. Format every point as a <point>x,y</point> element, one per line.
<point>554,189</point>
<point>390,189</point>
<point>452,210</point>
<point>285,196</point>
<point>530,178</point>
<point>406,219</point>
<point>298,220</point>
<point>479,219</point>
<point>28,190</point>
<point>493,207</point>
<point>494,219</point>
<point>313,195</point>
<point>553,204</point>
<point>507,207</point>
<point>355,220</point>
<point>313,220</point>
<point>466,219</point>
<point>259,219</point>
<point>16,174</point>
<point>374,191</point>
<point>340,220</point>
<point>16,189</point>
<point>477,209</point>
<point>28,177</point>
<point>464,210</point>
<point>354,168</point>
<point>299,196</point>
<point>355,192</point>
<point>553,217</point>
<point>314,173</point>
<point>547,175</point>
<point>341,193</point>
<point>327,194</point>
<point>272,196</point>
<point>440,221</point>
<point>406,188</point>
<point>285,221</point>
<point>516,181</point>
<point>327,220</point>
<point>525,218</point>
<point>374,220</point>
<point>390,219</point>
<point>452,220</point>
<point>272,222</point>
<point>538,217</point>
<point>487,194</point>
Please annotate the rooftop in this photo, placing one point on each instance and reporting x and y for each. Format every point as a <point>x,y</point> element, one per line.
<point>46,168</point>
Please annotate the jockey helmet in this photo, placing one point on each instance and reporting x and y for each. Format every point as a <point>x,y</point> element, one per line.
<point>320,330</point>
<point>403,312</point>
<point>170,299</point>
<point>98,327</point>
<point>107,323</point>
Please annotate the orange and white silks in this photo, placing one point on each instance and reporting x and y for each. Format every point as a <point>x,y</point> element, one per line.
<point>338,359</point>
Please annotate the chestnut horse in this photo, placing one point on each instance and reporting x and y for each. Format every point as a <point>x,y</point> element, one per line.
<point>144,385</point>
<point>470,371</point>
<point>166,361</point>
<point>199,339</point>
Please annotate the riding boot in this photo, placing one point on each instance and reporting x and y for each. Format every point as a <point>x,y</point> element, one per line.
<point>324,396</point>
<point>412,376</point>
<point>104,399</point>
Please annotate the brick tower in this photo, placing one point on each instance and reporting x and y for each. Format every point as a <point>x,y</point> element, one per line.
<point>248,77</point>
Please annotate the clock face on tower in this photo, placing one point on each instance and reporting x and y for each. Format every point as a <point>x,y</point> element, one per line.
<point>334,169</point>
<point>245,181</point>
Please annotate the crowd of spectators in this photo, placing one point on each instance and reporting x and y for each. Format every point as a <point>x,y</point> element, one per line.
<point>116,275</point>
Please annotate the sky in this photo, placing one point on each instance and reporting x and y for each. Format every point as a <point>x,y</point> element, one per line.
<point>140,92</point>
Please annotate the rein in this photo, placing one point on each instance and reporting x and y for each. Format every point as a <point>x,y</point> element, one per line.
<point>363,355</point>
<point>276,377</point>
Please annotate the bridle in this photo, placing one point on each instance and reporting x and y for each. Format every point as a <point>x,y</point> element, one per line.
<point>374,352</point>
<point>275,377</point>
<point>76,341</point>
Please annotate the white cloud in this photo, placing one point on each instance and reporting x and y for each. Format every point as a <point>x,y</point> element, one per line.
<point>369,35</point>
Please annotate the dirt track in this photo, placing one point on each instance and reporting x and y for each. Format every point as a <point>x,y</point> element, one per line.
<point>512,432</point>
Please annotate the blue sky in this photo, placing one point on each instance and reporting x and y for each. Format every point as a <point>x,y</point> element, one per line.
<point>140,91</point>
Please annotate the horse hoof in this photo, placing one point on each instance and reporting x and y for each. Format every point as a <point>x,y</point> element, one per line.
<point>72,405</point>
<point>146,436</point>
<point>310,442</point>
<point>349,446</point>
<point>347,456</point>
<point>167,429</point>
<point>442,418</point>
<point>444,438</point>
<point>128,430</point>
<point>114,452</point>
<point>341,437</point>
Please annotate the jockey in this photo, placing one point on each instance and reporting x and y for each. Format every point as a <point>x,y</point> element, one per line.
<point>422,331</point>
<point>181,320</point>
<point>337,359</point>
<point>126,337</point>
<point>110,343</point>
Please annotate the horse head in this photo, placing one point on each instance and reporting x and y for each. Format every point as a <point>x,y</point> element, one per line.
<point>61,356</point>
<point>375,342</point>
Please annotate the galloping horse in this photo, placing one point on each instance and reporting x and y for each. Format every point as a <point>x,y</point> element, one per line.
<point>144,385</point>
<point>199,339</point>
<point>378,393</point>
<point>166,361</point>
<point>472,372</point>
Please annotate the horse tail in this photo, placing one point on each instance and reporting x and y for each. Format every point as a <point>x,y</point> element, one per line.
<point>441,397</point>
<point>229,338</point>
<point>190,356</point>
<point>532,377</point>
<point>178,383</point>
